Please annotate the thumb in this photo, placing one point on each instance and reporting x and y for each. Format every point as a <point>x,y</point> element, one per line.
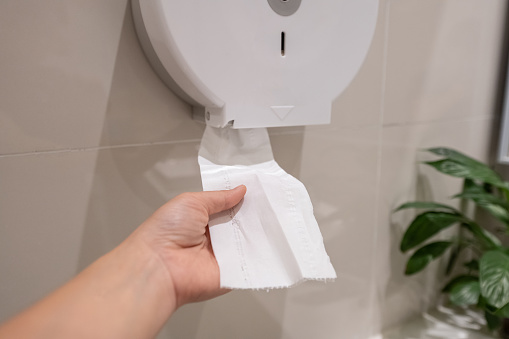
<point>218,201</point>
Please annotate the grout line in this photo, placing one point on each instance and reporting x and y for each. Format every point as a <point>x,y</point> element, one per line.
<point>374,245</point>
<point>97,148</point>
<point>381,124</point>
<point>441,121</point>
<point>325,128</point>
<point>273,133</point>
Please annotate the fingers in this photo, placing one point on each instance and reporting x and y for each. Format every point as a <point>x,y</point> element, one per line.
<point>217,201</point>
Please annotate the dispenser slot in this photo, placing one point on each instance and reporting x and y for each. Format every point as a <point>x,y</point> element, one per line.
<point>283,47</point>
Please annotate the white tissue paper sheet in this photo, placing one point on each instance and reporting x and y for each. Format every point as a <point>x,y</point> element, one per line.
<point>271,238</point>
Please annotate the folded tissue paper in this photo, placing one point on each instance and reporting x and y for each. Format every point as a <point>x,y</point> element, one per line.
<point>271,238</point>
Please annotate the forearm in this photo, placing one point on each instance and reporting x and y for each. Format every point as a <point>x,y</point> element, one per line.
<point>131,291</point>
<point>125,294</point>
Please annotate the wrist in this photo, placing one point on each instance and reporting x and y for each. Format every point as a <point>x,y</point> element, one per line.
<point>149,266</point>
<point>146,280</point>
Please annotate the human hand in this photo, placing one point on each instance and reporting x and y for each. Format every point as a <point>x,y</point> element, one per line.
<point>132,290</point>
<point>178,234</point>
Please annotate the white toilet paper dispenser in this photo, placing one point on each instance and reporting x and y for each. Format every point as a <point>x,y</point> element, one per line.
<point>262,63</point>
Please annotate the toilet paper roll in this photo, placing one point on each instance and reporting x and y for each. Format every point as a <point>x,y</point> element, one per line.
<point>271,239</point>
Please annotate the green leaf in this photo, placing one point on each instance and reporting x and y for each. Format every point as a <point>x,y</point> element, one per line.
<point>460,158</point>
<point>503,311</point>
<point>493,241</point>
<point>483,304</point>
<point>427,205</point>
<point>472,265</point>
<point>462,170</point>
<point>424,255</point>
<point>494,205</point>
<point>481,197</point>
<point>468,184</point>
<point>426,225</point>
<point>494,278</point>
<point>458,280</point>
<point>494,322</point>
<point>449,153</point>
<point>453,258</point>
<point>487,239</point>
<point>465,293</point>
<point>498,212</point>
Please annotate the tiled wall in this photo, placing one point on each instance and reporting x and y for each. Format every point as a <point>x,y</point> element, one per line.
<point>91,142</point>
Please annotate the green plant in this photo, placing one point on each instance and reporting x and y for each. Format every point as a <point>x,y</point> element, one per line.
<point>484,281</point>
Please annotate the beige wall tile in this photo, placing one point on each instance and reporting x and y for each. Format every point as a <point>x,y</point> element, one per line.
<point>73,75</point>
<point>339,170</point>
<point>56,66</point>
<point>141,109</point>
<point>129,184</point>
<point>404,179</point>
<point>443,59</point>
<point>43,208</point>
<point>360,103</point>
<point>61,211</point>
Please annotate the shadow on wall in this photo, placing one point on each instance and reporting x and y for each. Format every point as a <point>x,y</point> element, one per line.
<point>500,99</point>
<point>421,289</point>
<point>132,179</point>
<point>417,296</point>
<point>239,314</point>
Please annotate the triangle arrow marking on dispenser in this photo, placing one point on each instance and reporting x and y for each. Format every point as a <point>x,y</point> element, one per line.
<point>282,111</point>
